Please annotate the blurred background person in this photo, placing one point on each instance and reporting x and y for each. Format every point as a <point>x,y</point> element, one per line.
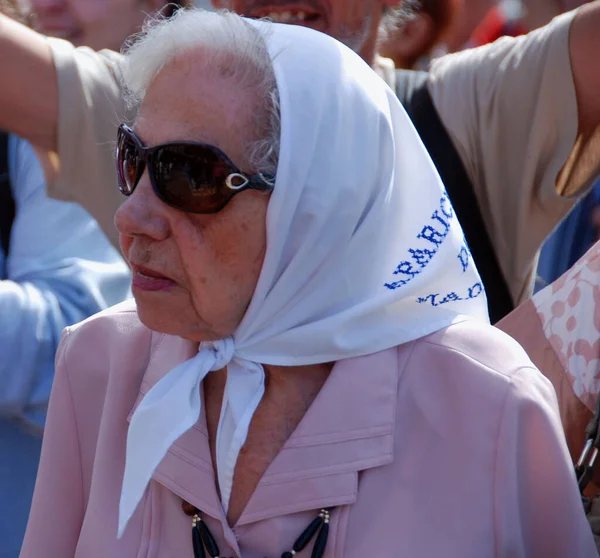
<point>517,17</point>
<point>97,24</point>
<point>570,240</point>
<point>502,20</point>
<point>560,330</point>
<point>469,16</point>
<point>580,229</point>
<point>76,152</point>
<point>424,33</point>
<point>437,26</point>
<point>17,9</point>
<point>56,268</point>
<point>559,327</point>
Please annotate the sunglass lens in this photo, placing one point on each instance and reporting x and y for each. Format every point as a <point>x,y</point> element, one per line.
<point>129,161</point>
<point>191,178</point>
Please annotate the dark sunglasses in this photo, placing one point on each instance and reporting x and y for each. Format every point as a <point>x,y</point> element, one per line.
<point>189,176</point>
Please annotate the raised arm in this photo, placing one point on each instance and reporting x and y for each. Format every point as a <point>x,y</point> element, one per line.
<point>584,46</point>
<point>522,114</point>
<point>66,101</point>
<point>28,95</point>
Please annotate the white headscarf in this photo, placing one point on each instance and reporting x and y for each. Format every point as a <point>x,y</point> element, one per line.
<point>364,253</point>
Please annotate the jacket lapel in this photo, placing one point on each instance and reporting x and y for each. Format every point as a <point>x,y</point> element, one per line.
<point>187,468</point>
<point>349,428</point>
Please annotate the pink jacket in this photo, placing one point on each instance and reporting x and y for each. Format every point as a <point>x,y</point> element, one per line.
<point>449,446</point>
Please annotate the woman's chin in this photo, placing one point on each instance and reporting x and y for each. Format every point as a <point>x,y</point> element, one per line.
<point>157,319</point>
<point>173,321</point>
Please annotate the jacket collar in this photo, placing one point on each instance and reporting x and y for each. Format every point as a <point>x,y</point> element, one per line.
<point>348,428</point>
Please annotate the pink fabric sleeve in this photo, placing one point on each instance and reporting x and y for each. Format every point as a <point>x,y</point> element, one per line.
<point>57,509</point>
<point>538,510</point>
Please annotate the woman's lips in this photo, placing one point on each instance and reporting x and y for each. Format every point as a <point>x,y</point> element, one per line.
<point>146,279</point>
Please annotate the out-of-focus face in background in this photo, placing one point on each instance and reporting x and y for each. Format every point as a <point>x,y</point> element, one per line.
<point>567,5</point>
<point>353,22</point>
<point>430,26</point>
<point>469,14</point>
<point>515,17</point>
<point>95,23</point>
<point>457,24</point>
<point>537,13</point>
<point>15,9</point>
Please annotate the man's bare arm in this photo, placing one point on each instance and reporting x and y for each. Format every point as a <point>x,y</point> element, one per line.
<point>28,93</point>
<point>581,168</point>
<point>585,60</point>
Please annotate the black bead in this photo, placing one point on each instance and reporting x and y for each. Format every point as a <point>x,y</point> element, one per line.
<point>307,534</point>
<point>203,541</point>
<point>188,509</point>
<point>197,544</point>
<point>208,539</point>
<point>321,542</point>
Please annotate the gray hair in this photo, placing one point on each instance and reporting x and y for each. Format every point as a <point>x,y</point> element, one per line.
<point>238,49</point>
<point>394,18</point>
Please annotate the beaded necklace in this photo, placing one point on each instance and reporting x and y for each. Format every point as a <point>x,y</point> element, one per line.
<point>203,541</point>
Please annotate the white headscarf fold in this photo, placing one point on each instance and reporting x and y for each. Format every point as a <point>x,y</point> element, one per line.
<point>364,253</point>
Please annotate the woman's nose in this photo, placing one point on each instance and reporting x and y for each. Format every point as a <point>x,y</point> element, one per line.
<point>143,214</point>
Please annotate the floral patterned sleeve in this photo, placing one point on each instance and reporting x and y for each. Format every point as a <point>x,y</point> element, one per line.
<point>560,330</point>
<point>569,310</point>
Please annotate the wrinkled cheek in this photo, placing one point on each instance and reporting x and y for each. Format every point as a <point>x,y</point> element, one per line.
<point>216,304</point>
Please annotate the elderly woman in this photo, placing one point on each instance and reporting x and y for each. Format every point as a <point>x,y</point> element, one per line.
<point>307,367</point>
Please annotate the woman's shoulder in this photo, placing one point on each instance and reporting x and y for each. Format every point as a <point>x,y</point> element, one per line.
<point>468,384</point>
<point>113,341</point>
<point>120,318</point>
<point>478,346</point>
<point>484,425</point>
<point>475,364</point>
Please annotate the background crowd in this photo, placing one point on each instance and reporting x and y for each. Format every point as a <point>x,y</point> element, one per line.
<point>504,95</point>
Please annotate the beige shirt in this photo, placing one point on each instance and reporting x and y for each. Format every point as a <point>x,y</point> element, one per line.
<point>509,107</point>
<point>91,107</point>
<point>511,111</point>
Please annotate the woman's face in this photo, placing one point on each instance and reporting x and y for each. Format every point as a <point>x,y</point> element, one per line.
<point>194,275</point>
